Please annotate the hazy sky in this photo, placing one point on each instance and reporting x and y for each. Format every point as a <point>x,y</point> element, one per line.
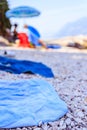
<point>54,14</point>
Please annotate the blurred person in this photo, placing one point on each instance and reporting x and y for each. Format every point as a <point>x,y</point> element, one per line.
<point>15,33</point>
<point>8,35</point>
<point>34,39</point>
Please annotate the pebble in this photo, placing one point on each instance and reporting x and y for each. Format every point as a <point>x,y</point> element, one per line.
<point>37,129</point>
<point>80,114</point>
<point>68,121</point>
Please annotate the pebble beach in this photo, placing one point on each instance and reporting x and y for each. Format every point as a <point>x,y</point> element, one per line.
<point>69,66</point>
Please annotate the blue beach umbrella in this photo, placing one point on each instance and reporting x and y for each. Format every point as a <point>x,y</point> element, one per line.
<point>22,12</point>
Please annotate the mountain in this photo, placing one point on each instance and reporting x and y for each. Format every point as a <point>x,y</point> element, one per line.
<point>78,27</point>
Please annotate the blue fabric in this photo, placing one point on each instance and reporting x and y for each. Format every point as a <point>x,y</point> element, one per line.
<point>34,39</point>
<point>22,12</point>
<point>34,31</point>
<point>28,102</point>
<point>34,36</point>
<point>53,46</point>
<point>23,66</point>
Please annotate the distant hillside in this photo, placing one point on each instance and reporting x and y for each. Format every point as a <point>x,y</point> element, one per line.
<point>74,28</point>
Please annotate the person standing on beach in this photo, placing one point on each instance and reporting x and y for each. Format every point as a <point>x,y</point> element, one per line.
<point>15,33</point>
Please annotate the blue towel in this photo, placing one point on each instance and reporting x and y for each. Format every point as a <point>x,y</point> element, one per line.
<point>23,66</point>
<point>53,46</point>
<point>28,102</point>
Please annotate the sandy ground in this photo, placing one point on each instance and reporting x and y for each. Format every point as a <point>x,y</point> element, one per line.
<point>69,66</point>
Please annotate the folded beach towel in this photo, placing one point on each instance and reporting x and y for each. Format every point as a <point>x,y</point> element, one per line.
<point>23,66</point>
<point>28,102</point>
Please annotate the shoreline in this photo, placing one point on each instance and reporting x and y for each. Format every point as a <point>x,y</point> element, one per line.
<point>62,49</point>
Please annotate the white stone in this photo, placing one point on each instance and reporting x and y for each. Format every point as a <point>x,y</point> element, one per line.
<point>37,128</point>
<point>78,120</point>
<point>84,128</point>
<point>63,127</point>
<point>61,123</point>
<point>72,123</point>
<point>44,126</point>
<point>24,128</point>
<point>18,129</point>
<point>68,121</point>
<point>80,114</point>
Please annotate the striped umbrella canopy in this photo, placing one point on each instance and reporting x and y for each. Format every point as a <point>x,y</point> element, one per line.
<point>22,12</point>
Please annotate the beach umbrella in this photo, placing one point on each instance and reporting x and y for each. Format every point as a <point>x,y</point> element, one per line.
<point>22,12</point>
